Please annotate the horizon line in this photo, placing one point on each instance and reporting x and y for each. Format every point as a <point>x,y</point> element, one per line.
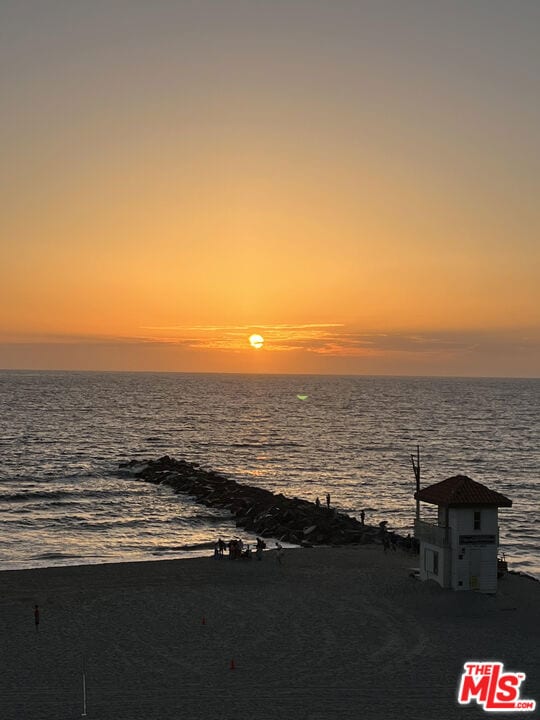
<point>272,374</point>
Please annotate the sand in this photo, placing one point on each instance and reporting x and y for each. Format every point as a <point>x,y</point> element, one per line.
<point>332,633</point>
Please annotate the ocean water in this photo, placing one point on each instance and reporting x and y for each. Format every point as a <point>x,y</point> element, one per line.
<point>62,436</point>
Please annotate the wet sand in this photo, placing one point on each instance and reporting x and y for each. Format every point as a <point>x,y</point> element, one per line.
<point>331,633</point>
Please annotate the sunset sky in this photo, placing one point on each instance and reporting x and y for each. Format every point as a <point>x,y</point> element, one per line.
<point>358,182</point>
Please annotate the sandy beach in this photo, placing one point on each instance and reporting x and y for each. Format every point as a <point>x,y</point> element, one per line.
<point>331,633</point>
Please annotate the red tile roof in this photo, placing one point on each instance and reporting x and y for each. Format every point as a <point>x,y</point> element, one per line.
<point>461,490</point>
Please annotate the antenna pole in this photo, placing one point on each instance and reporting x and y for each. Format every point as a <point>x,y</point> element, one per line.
<point>416,470</point>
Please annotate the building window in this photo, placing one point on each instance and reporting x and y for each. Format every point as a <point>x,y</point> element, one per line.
<point>431,561</point>
<point>477,518</point>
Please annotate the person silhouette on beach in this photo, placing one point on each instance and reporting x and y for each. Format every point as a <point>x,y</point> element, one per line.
<point>383,532</point>
<point>328,500</point>
<point>362,517</point>
<point>317,503</point>
<point>279,553</point>
<point>36,617</point>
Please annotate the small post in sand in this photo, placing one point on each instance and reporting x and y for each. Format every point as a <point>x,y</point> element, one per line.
<point>84,689</point>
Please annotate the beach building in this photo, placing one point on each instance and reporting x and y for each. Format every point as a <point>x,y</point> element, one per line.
<point>461,550</point>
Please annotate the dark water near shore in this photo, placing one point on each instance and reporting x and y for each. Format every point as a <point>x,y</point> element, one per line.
<point>62,436</point>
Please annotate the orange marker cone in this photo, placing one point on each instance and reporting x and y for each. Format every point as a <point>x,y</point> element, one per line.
<point>233,667</point>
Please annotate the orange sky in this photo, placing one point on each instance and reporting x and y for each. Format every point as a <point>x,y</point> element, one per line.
<point>359,185</point>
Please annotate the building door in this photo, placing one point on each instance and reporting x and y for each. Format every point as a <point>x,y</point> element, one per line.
<point>475,557</point>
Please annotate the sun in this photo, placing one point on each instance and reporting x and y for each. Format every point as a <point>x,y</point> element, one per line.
<point>256,341</point>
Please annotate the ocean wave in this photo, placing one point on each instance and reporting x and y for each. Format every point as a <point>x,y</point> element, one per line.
<point>81,523</point>
<point>206,518</point>
<point>175,548</point>
<point>37,495</point>
<point>54,556</point>
<point>261,445</point>
<point>55,497</point>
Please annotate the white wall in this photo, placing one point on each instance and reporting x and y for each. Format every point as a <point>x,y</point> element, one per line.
<point>462,519</point>
<point>442,575</point>
<point>474,565</point>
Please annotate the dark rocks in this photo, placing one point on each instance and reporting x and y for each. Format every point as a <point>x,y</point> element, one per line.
<point>255,509</point>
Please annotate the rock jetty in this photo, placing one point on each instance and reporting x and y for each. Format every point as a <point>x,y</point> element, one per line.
<point>255,509</point>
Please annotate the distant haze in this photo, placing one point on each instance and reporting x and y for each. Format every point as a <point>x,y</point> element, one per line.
<point>357,182</point>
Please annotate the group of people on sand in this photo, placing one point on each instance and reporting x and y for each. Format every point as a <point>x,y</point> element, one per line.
<point>238,550</point>
<point>391,540</point>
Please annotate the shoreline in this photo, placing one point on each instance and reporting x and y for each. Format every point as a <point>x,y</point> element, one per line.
<point>205,552</point>
<point>196,552</point>
<point>331,633</point>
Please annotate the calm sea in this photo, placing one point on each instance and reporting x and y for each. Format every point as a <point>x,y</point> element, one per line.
<point>63,435</point>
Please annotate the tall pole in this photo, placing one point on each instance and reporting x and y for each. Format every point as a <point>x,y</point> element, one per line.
<point>416,470</point>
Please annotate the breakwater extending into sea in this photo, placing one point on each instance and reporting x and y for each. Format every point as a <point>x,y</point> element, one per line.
<point>62,436</point>
<point>292,520</point>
